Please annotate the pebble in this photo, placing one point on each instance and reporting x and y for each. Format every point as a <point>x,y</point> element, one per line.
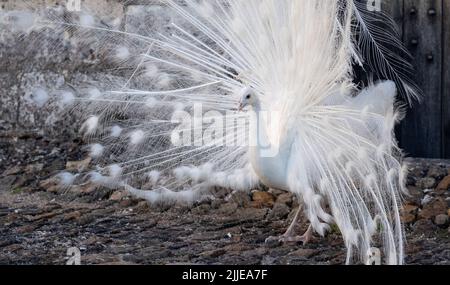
<point>215,204</point>
<point>7,182</point>
<point>213,253</point>
<point>277,192</point>
<point>12,171</point>
<point>428,191</point>
<point>228,208</point>
<point>127,203</point>
<point>72,216</point>
<point>442,220</point>
<point>304,252</point>
<point>434,208</point>
<point>279,211</point>
<point>424,226</point>
<point>142,207</point>
<point>437,172</point>
<point>427,200</point>
<point>241,198</point>
<point>118,196</point>
<point>78,166</point>
<point>201,210</point>
<point>263,199</point>
<point>444,185</point>
<point>285,198</point>
<point>34,168</point>
<point>409,214</point>
<point>426,183</point>
<point>50,185</point>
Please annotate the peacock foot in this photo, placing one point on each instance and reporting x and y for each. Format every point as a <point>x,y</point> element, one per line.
<point>290,238</point>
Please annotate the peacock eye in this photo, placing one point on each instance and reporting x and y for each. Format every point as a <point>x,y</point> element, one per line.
<point>248,96</point>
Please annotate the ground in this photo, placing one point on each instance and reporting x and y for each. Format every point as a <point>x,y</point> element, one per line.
<point>40,222</point>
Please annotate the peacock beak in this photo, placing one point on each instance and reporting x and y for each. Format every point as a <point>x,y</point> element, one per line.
<point>241,107</point>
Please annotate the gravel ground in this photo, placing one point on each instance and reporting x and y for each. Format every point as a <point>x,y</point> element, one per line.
<point>39,222</point>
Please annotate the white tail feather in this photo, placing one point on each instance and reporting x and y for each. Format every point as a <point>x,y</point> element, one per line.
<point>337,143</point>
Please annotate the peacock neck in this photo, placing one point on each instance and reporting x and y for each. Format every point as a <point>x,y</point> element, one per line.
<point>258,130</point>
<point>267,164</point>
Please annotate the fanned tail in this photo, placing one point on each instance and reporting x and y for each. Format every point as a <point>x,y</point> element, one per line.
<point>297,56</point>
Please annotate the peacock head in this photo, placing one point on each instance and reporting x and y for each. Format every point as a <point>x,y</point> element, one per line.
<point>248,98</point>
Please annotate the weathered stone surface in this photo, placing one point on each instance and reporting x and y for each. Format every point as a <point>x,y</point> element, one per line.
<point>424,226</point>
<point>442,220</point>
<point>34,168</point>
<point>7,182</point>
<point>228,208</point>
<point>286,198</point>
<point>415,195</point>
<point>437,171</point>
<point>78,166</point>
<point>12,171</point>
<point>444,185</point>
<point>76,215</point>
<point>279,211</point>
<point>213,253</point>
<point>409,213</point>
<point>262,199</point>
<point>118,196</point>
<point>426,183</point>
<point>304,252</point>
<point>433,209</point>
<point>242,199</point>
<point>50,185</point>
<point>277,192</point>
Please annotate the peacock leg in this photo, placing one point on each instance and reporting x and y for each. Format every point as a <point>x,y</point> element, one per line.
<point>289,236</point>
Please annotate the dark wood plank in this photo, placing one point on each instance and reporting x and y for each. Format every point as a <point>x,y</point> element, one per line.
<point>446,79</point>
<point>421,134</point>
<point>394,9</point>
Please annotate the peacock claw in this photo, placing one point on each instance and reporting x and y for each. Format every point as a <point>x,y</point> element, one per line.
<point>289,238</point>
